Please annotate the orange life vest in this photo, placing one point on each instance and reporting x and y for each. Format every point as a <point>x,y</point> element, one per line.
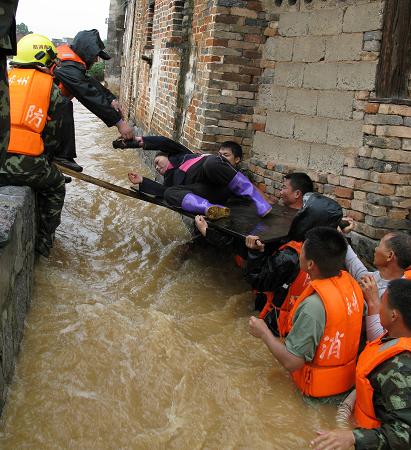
<point>407,274</point>
<point>65,53</point>
<point>239,261</point>
<point>294,291</point>
<point>29,103</point>
<point>374,354</point>
<point>332,371</point>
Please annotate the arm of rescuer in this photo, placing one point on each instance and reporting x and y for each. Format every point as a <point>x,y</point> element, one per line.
<point>155,143</point>
<point>266,270</point>
<point>93,95</point>
<point>212,236</point>
<point>301,343</point>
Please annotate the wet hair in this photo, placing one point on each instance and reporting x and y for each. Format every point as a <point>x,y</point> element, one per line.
<point>399,297</point>
<point>234,147</point>
<point>327,248</point>
<point>161,154</point>
<point>300,181</point>
<point>400,243</point>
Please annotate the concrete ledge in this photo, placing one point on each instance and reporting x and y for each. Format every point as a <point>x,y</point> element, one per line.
<point>17,235</point>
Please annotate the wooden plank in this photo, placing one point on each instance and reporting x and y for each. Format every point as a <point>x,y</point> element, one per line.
<point>243,219</point>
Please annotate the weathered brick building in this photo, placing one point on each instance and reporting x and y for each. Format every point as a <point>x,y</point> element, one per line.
<point>316,85</point>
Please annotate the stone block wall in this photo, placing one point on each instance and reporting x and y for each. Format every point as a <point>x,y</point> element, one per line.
<point>316,112</point>
<point>17,233</point>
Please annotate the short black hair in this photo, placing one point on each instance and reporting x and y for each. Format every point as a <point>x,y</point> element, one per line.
<point>300,181</point>
<point>400,243</point>
<point>161,154</point>
<point>234,147</point>
<point>399,297</point>
<point>327,248</point>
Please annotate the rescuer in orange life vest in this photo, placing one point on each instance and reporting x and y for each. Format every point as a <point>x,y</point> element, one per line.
<point>71,74</point>
<point>383,382</point>
<point>272,269</point>
<point>324,325</point>
<point>36,106</point>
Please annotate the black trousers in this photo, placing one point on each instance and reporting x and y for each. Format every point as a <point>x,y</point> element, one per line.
<point>209,180</point>
<point>67,149</point>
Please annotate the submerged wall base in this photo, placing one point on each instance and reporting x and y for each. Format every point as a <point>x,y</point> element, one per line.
<point>17,234</point>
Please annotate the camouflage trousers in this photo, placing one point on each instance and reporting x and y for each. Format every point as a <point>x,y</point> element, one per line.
<point>48,183</point>
<point>4,109</point>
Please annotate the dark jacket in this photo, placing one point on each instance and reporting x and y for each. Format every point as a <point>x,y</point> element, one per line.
<point>88,91</point>
<point>8,25</point>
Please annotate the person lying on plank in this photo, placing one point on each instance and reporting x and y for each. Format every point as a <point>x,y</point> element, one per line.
<point>197,183</point>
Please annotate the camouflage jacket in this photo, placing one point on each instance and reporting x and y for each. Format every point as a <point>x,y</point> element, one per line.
<point>391,382</point>
<point>8,27</point>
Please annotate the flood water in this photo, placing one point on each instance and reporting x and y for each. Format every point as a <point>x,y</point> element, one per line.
<point>132,342</point>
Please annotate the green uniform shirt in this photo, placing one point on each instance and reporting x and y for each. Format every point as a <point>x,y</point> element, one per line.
<point>308,328</point>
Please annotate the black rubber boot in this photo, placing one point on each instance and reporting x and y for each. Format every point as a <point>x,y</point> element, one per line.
<point>69,163</point>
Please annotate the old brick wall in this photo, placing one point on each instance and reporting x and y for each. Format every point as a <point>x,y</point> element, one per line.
<point>292,81</point>
<point>197,78</point>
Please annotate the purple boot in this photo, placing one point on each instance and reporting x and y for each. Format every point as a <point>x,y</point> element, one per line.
<point>240,185</point>
<point>195,204</point>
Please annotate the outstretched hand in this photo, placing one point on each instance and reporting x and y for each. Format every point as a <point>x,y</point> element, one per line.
<point>333,440</point>
<point>139,140</point>
<point>116,105</point>
<point>254,243</point>
<point>370,290</point>
<point>349,227</point>
<point>201,224</point>
<point>257,327</point>
<point>125,130</point>
<point>135,178</point>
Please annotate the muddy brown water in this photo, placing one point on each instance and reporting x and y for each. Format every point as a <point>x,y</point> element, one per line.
<point>133,343</point>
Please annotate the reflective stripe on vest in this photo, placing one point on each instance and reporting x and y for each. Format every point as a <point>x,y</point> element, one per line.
<point>29,103</point>
<point>332,371</point>
<point>294,291</point>
<point>190,162</point>
<point>374,354</point>
<point>65,53</point>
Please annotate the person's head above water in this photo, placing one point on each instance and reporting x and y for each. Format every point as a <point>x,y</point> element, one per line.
<point>323,253</point>
<point>295,185</point>
<point>395,311</point>
<point>161,163</point>
<point>231,151</point>
<point>394,250</point>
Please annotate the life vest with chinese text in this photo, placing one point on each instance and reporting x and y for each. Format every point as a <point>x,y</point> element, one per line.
<point>29,103</point>
<point>332,371</point>
<point>374,354</point>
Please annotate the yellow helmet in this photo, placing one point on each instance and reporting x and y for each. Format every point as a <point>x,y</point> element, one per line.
<point>35,49</point>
